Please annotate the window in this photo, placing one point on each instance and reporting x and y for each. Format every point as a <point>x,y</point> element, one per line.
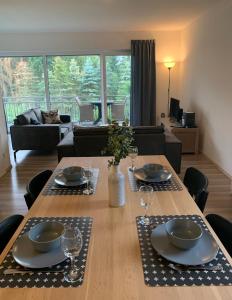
<point>70,77</point>
<point>71,84</point>
<point>118,81</point>
<point>22,85</point>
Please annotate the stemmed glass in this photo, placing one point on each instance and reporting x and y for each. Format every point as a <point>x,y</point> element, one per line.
<point>71,243</point>
<point>88,174</point>
<point>133,152</point>
<point>145,198</point>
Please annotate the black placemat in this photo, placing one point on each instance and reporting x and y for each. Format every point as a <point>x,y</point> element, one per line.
<point>52,188</point>
<point>169,185</point>
<point>48,280</point>
<point>156,270</point>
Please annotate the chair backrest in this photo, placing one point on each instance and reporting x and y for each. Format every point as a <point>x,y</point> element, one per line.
<point>117,111</point>
<point>86,111</point>
<point>7,228</point>
<point>35,186</point>
<point>197,183</point>
<point>223,229</point>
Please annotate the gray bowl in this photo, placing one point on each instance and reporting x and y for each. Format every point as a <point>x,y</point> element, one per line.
<point>152,170</point>
<point>183,234</point>
<point>46,236</point>
<point>73,173</point>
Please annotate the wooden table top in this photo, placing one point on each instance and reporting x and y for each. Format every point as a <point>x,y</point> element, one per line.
<point>114,268</point>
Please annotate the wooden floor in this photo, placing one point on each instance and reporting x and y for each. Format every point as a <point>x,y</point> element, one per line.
<point>12,185</point>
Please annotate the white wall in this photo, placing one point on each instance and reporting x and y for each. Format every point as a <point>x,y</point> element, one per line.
<point>207,81</point>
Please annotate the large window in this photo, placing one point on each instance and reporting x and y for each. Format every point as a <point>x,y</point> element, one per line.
<point>75,85</point>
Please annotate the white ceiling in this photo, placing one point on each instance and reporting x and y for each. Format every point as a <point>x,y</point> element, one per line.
<point>99,15</point>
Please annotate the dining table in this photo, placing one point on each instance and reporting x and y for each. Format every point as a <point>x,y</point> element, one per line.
<point>113,266</point>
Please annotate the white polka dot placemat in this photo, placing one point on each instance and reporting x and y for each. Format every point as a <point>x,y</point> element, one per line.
<point>169,185</point>
<point>48,279</point>
<point>52,188</point>
<point>158,273</point>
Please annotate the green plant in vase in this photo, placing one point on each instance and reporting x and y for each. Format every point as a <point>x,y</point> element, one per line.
<point>120,138</point>
<point>119,142</point>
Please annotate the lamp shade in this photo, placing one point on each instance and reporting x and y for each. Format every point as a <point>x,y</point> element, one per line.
<point>169,64</point>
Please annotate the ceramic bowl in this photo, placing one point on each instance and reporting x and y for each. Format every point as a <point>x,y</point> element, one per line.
<point>183,233</point>
<point>151,170</point>
<point>73,173</point>
<point>46,236</point>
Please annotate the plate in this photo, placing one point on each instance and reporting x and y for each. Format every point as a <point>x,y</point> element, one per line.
<point>62,181</point>
<point>25,255</point>
<point>205,250</point>
<point>162,175</point>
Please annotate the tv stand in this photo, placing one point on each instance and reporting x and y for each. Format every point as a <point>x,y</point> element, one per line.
<point>188,136</point>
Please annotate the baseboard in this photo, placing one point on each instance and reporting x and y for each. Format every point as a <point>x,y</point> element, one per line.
<point>219,167</point>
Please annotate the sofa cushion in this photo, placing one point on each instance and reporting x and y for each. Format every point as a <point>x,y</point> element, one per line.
<point>51,117</point>
<point>38,114</point>
<point>25,118</point>
<point>65,148</point>
<point>35,122</point>
<point>81,130</point>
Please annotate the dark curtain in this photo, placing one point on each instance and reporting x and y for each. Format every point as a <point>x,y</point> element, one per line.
<point>143,83</point>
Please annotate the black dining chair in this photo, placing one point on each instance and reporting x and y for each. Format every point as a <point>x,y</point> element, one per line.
<point>7,228</point>
<point>197,183</point>
<point>35,186</point>
<point>223,229</point>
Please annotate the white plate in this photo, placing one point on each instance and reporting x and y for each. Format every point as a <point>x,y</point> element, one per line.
<point>161,176</point>
<point>25,255</point>
<point>62,181</point>
<point>205,250</point>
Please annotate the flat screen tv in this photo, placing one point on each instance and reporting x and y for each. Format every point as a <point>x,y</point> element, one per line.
<point>174,108</point>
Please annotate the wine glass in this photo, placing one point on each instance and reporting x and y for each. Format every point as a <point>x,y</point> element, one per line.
<point>71,244</point>
<point>88,174</point>
<point>145,198</point>
<point>133,152</point>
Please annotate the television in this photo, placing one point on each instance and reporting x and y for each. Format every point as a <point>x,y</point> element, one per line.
<point>175,111</point>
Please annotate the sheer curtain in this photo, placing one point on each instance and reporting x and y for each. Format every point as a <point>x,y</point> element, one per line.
<point>143,83</point>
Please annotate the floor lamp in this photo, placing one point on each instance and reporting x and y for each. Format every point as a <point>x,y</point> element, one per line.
<point>169,65</point>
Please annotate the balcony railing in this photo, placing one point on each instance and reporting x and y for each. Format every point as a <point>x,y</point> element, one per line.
<point>66,105</point>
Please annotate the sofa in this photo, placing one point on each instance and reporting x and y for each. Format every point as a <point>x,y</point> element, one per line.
<point>29,131</point>
<point>150,140</point>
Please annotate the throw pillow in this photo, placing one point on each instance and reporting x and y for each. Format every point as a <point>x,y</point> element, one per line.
<point>25,118</point>
<point>51,117</point>
<point>35,122</point>
<point>38,114</point>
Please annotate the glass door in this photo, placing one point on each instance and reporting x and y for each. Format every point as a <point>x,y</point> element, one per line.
<point>75,87</point>
<point>118,83</point>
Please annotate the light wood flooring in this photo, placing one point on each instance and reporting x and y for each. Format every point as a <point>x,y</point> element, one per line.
<point>12,185</point>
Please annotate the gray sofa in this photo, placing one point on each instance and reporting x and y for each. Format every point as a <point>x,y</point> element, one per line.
<point>150,140</point>
<point>30,133</point>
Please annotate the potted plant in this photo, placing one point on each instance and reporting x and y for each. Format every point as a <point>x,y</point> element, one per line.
<point>120,138</point>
